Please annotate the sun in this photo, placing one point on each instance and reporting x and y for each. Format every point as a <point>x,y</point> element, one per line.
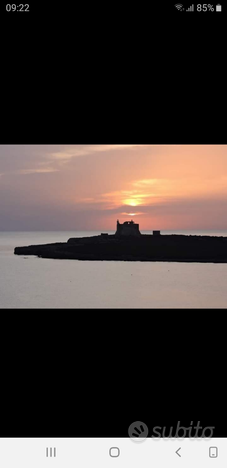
<point>131,202</point>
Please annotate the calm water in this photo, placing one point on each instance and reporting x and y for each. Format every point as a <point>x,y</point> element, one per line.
<point>36,282</point>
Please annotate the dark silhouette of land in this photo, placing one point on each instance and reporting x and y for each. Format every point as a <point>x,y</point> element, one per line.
<point>128,244</point>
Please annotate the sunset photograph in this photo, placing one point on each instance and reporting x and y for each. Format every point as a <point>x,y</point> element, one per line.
<point>113,226</point>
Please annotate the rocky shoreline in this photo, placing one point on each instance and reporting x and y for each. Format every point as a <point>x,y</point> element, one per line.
<point>146,248</point>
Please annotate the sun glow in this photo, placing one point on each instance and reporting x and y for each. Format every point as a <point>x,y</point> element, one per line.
<point>129,214</point>
<point>132,214</point>
<point>131,202</point>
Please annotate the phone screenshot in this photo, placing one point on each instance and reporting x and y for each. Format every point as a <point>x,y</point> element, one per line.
<point>113,235</point>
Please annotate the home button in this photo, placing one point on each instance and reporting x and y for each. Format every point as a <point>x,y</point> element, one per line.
<point>114,452</point>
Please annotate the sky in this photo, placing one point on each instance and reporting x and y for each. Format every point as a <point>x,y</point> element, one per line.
<point>89,187</point>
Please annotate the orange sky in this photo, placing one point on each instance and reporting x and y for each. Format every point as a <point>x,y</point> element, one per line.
<point>83,187</point>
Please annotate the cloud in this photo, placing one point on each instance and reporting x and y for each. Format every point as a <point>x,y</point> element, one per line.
<point>184,187</point>
<point>78,151</point>
<point>35,171</point>
<point>91,185</point>
<point>133,214</point>
<point>87,200</point>
<point>166,191</point>
<point>127,197</point>
<point>31,159</point>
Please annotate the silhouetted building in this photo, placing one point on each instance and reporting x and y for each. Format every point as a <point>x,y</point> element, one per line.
<point>128,228</point>
<point>156,233</point>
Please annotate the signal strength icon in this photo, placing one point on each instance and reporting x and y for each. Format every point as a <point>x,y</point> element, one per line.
<point>179,6</point>
<point>191,8</point>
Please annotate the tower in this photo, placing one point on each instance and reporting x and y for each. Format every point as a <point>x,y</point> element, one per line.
<point>128,228</point>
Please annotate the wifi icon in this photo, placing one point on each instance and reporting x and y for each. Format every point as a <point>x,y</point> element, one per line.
<point>179,6</point>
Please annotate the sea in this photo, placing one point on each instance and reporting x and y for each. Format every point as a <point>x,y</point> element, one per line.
<point>32,282</point>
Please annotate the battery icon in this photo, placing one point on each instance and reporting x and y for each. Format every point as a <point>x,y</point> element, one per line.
<point>218,7</point>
